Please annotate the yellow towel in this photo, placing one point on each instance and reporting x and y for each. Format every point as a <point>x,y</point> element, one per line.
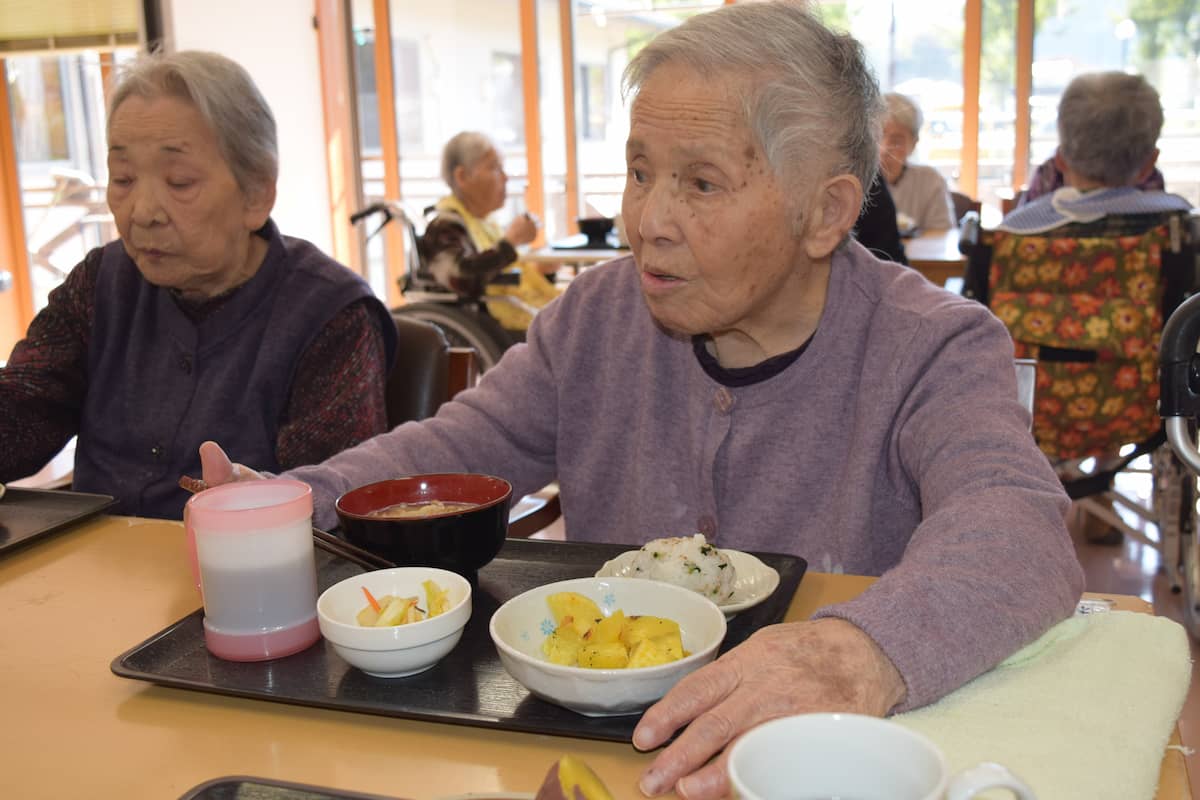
<point>1084,712</point>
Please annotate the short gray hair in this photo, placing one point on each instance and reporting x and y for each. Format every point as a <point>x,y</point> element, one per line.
<point>226,97</point>
<point>813,93</point>
<point>463,150</point>
<point>904,111</point>
<point>1108,125</point>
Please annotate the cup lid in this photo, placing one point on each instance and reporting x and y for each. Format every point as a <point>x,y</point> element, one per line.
<point>245,505</point>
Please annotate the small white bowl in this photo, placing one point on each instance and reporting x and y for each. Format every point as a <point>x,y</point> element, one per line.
<point>521,625</point>
<point>398,650</point>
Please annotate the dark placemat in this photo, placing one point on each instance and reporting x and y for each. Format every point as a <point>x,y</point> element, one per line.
<point>28,514</point>
<point>244,787</point>
<point>469,686</point>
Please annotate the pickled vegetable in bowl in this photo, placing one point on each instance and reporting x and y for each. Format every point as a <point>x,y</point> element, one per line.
<point>394,651</point>
<point>390,610</point>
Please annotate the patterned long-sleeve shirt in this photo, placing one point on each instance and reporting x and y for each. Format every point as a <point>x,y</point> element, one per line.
<point>336,399</point>
<point>454,259</point>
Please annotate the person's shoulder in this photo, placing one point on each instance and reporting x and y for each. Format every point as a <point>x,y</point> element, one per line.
<point>904,296</point>
<point>303,258</point>
<point>1158,200</point>
<point>606,291</point>
<point>1037,215</point>
<point>609,278</point>
<point>927,175</point>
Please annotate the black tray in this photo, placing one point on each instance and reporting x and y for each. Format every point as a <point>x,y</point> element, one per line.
<point>28,514</point>
<point>244,787</point>
<point>468,687</point>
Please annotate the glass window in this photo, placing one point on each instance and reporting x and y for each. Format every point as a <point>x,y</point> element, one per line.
<point>915,48</point>
<point>608,33</point>
<point>407,66</point>
<point>1151,38</point>
<point>593,101</point>
<point>456,66</point>
<point>58,114</point>
<point>552,121</point>
<point>508,106</point>
<point>997,103</point>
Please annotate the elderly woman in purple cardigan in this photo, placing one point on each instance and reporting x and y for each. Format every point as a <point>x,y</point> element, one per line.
<point>752,373</point>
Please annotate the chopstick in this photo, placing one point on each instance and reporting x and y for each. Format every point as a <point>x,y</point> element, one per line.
<point>326,541</point>
<point>340,547</point>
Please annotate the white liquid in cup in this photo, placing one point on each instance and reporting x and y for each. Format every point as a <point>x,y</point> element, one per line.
<point>254,552</point>
<point>259,581</point>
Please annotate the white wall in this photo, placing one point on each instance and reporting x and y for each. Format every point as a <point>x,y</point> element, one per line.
<point>275,41</point>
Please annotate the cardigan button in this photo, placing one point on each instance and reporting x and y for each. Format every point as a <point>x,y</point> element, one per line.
<point>156,451</point>
<point>723,400</point>
<point>185,364</point>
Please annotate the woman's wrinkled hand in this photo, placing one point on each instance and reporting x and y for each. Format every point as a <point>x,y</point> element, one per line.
<point>216,469</point>
<point>793,668</point>
<point>521,230</point>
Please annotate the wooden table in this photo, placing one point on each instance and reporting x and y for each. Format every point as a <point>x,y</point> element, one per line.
<point>572,258</point>
<point>70,603</point>
<point>935,255</point>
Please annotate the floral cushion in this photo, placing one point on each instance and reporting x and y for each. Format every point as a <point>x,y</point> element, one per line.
<point>1098,299</point>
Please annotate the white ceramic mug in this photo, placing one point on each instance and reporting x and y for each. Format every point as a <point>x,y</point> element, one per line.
<point>853,757</point>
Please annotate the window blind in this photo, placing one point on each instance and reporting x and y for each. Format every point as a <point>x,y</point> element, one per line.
<point>40,25</point>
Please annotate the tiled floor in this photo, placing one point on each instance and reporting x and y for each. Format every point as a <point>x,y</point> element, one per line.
<point>1133,568</point>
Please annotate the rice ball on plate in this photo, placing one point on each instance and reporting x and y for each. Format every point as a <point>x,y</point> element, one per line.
<point>687,561</point>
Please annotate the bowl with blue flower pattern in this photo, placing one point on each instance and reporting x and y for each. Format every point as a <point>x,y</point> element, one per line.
<point>520,628</point>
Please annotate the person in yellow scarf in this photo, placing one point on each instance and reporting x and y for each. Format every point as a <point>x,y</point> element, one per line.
<point>465,251</point>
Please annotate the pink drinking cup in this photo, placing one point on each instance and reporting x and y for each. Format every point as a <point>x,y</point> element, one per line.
<point>251,550</point>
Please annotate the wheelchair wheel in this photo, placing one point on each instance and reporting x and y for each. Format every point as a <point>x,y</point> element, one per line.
<point>465,327</point>
<point>1189,563</point>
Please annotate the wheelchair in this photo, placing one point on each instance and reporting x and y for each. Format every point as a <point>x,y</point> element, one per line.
<point>1179,377</point>
<point>466,321</point>
<point>1098,383</point>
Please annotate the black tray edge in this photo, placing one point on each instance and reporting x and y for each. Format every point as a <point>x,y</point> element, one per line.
<point>197,792</point>
<point>105,502</point>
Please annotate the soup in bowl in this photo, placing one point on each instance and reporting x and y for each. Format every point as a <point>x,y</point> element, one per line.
<point>455,521</point>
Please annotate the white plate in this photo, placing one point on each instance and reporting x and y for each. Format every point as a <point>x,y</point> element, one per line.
<point>755,580</point>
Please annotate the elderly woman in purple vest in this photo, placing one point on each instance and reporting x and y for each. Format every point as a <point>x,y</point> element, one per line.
<point>201,317</point>
<point>753,373</point>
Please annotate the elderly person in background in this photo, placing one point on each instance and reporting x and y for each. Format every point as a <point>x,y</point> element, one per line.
<point>1049,175</point>
<point>876,228</point>
<point>919,191</point>
<point>752,373</point>
<point>201,317</point>
<point>1102,174</point>
<point>464,249</point>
